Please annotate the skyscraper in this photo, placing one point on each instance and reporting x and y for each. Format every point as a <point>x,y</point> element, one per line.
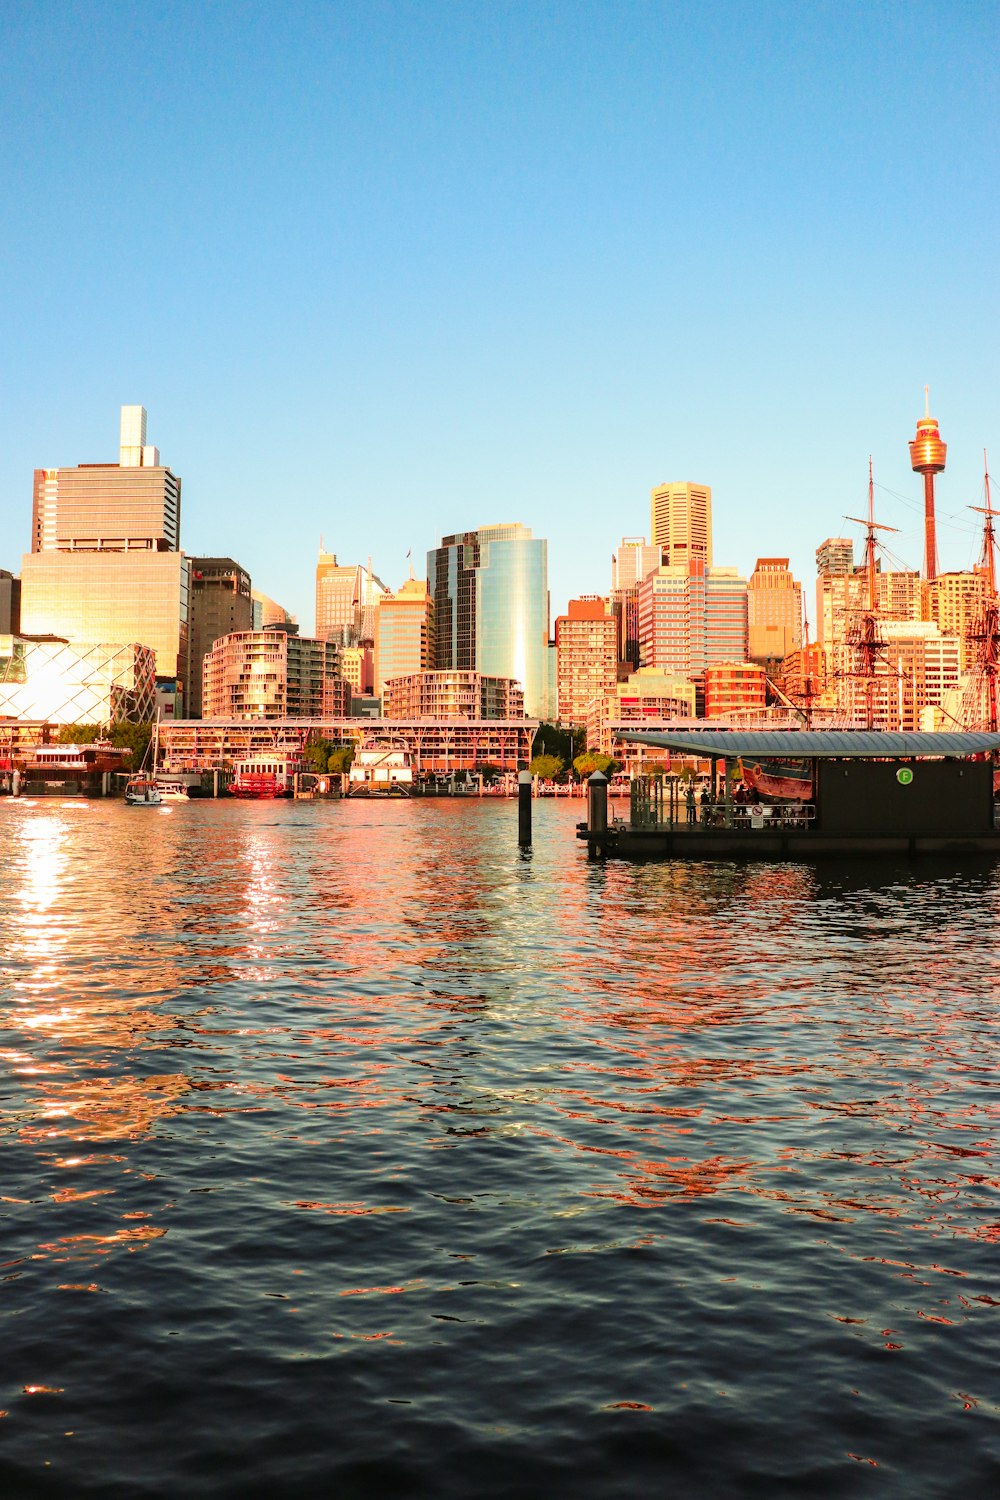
<point>491,607</point>
<point>774,611</point>
<point>404,633</point>
<point>692,617</point>
<point>105,564</point>
<point>346,599</point>
<point>682,523</point>
<point>220,604</point>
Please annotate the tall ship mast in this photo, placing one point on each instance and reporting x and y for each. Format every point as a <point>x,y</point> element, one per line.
<point>979,702</point>
<point>864,638</point>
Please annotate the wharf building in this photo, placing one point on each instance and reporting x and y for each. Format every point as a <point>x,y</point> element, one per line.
<point>439,746</point>
<point>105,564</point>
<point>272,674</point>
<point>491,608</point>
<point>221,604</point>
<point>452,696</point>
<point>774,612</point>
<point>586,657</point>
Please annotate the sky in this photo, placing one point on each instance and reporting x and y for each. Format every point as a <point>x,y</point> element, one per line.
<point>381,272</point>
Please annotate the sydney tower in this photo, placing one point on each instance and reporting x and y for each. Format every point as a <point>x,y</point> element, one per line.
<point>927,455</point>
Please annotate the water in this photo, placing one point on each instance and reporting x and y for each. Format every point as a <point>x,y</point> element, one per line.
<point>348,1151</point>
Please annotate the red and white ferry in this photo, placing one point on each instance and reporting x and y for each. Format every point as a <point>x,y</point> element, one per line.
<point>265,775</point>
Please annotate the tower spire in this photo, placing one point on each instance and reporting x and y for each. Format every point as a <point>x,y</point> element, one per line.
<point>927,457</point>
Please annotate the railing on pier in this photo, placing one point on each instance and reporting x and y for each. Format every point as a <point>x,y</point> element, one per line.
<point>657,802</point>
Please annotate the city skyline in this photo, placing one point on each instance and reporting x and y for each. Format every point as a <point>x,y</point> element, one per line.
<point>388,273</point>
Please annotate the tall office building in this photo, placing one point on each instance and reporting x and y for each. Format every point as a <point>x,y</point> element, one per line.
<point>346,600</point>
<point>404,633</point>
<point>774,601</point>
<point>491,607</point>
<point>131,506</point>
<point>692,617</point>
<point>586,657</point>
<point>267,611</point>
<point>221,603</point>
<point>635,559</point>
<point>682,523</point>
<point>105,564</point>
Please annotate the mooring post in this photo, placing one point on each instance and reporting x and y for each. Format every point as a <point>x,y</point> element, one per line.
<point>597,796</point>
<point>524,809</point>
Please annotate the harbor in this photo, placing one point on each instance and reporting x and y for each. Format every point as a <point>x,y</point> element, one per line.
<point>359,1109</point>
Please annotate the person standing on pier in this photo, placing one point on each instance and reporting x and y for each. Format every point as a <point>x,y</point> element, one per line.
<point>689,801</point>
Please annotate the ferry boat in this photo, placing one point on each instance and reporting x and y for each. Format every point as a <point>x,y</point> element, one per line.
<point>265,775</point>
<point>142,791</point>
<point>381,768</point>
<point>69,770</point>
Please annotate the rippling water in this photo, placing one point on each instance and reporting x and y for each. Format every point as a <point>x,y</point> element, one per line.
<point>349,1151</point>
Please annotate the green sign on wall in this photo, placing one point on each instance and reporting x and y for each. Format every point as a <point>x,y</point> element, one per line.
<point>904,775</point>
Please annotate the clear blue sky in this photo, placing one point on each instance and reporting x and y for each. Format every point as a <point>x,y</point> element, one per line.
<point>381,271</point>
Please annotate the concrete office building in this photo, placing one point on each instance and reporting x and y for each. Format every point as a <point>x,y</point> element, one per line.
<point>221,604</point>
<point>691,617</point>
<point>774,611</point>
<point>586,657</point>
<point>681,523</point>
<point>404,633</point>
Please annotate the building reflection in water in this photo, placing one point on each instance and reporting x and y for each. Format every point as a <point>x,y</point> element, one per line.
<point>645,1035</point>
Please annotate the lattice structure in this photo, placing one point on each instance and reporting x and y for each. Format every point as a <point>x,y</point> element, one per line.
<point>64,683</point>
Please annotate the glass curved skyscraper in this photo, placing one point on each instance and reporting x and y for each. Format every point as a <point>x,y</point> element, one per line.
<point>491,607</point>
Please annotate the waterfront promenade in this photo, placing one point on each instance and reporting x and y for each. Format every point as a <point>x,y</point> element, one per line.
<point>351,1151</point>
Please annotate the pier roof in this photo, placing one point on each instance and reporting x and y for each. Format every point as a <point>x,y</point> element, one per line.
<point>807,744</point>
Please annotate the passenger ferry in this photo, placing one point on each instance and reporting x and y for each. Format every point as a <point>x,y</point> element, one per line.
<point>381,768</point>
<point>70,770</point>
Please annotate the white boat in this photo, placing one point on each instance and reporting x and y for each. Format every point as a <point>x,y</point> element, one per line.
<point>381,768</point>
<point>141,789</point>
<point>172,791</point>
